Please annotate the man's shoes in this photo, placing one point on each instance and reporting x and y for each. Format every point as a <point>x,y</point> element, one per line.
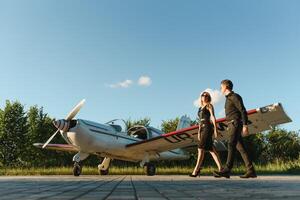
<point>222,173</point>
<point>216,175</point>
<point>249,174</point>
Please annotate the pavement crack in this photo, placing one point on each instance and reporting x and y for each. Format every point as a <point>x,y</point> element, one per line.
<point>113,189</point>
<point>161,193</point>
<point>68,190</point>
<point>94,188</point>
<point>134,189</point>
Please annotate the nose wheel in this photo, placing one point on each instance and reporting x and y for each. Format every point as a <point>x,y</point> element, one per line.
<point>103,168</point>
<point>77,169</point>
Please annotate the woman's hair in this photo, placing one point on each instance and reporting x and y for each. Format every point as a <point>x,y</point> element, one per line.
<point>207,98</point>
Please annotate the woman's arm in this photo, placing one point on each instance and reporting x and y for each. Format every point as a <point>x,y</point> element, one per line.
<point>213,119</point>
<point>199,123</point>
<point>199,131</point>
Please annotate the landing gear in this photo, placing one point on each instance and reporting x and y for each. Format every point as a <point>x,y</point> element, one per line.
<point>78,158</point>
<point>103,168</point>
<point>77,169</point>
<point>150,169</point>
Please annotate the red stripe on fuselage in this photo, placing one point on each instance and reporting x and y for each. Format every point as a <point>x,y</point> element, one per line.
<point>250,112</point>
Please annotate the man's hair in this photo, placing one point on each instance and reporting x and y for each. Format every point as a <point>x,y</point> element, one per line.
<point>228,83</point>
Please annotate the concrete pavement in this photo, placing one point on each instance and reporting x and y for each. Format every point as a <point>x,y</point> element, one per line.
<point>144,187</point>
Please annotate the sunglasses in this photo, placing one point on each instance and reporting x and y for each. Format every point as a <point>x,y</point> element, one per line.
<point>204,95</point>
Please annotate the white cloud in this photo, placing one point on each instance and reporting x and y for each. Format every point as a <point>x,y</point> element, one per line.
<point>144,81</point>
<point>124,84</point>
<point>216,97</point>
<point>221,113</point>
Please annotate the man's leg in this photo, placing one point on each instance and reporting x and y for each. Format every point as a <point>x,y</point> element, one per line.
<point>232,143</point>
<point>241,148</point>
<point>248,163</point>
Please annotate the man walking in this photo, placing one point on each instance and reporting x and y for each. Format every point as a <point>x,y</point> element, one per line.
<point>236,116</point>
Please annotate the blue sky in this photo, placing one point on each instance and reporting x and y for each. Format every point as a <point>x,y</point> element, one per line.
<point>55,53</point>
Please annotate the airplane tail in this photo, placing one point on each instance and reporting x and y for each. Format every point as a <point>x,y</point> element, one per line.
<point>220,146</point>
<point>184,122</point>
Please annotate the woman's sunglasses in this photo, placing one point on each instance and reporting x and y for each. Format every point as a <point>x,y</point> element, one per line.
<point>204,95</point>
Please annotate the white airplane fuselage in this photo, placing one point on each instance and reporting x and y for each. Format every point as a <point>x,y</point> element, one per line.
<point>103,140</point>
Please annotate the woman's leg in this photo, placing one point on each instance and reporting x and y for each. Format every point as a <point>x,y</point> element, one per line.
<point>216,158</point>
<point>199,160</point>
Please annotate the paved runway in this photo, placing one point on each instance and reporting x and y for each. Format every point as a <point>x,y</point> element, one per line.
<point>144,187</point>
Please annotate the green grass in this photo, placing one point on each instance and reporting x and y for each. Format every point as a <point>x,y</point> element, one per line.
<point>274,168</point>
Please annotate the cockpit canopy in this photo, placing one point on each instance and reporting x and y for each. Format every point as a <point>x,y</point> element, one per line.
<point>115,124</point>
<point>144,132</point>
<point>137,131</point>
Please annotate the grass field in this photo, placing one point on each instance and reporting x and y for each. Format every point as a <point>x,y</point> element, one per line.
<point>274,168</point>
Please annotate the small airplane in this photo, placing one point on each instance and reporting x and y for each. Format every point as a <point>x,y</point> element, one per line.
<point>142,144</point>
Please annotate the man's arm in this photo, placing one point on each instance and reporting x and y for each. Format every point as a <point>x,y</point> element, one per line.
<point>239,104</point>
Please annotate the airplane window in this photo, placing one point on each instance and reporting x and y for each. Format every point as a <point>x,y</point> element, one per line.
<point>115,124</point>
<point>118,128</point>
<point>138,132</point>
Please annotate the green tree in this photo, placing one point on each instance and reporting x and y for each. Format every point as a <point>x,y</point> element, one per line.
<point>143,122</point>
<point>13,129</point>
<point>255,145</point>
<point>282,145</point>
<point>40,128</point>
<point>169,125</point>
<point>1,154</point>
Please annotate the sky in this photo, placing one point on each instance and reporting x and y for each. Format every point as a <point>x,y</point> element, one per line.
<point>151,58</point>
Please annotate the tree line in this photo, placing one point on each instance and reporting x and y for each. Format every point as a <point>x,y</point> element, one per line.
<point>20,128</point>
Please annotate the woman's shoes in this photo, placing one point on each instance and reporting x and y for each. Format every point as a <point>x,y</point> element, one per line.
<point>195,175</point>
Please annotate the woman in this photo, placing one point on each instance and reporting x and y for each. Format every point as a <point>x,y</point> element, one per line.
<point>207,128</point>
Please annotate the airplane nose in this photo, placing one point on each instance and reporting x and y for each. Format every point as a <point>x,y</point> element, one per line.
<point>62,124</point>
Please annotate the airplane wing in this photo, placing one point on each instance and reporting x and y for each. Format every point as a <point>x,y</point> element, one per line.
<point>260,119</point>
<point>58,147</point>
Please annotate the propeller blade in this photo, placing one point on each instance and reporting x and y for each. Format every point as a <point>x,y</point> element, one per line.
<point>75,110</point>
<point>49,140</point>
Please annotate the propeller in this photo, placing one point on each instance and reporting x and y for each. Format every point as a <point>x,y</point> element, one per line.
<point>75,110</point>
<point>63,124</point>
<point>49,140</point>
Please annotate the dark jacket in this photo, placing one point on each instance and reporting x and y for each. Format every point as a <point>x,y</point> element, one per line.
<point>235,109</point>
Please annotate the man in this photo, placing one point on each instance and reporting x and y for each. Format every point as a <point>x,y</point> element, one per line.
<point>237,118</point>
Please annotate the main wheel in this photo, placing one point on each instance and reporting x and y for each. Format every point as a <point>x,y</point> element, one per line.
<point>77,169</point>
<point>150,169</point>
<point>104,172</point>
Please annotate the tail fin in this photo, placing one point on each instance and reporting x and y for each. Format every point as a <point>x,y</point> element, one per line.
<point>184,122</point>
